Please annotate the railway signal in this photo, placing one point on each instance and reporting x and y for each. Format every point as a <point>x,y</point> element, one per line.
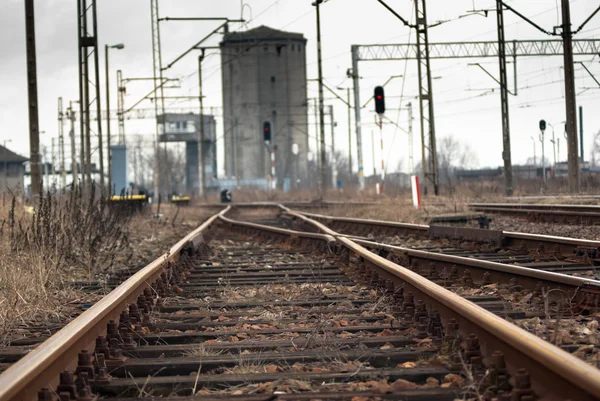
<point>542,129</point>
<point>267,131</point>
<point>379,100</point>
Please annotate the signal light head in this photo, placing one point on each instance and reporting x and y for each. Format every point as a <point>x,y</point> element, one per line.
<point>267,131</point>
<point>379,100</point>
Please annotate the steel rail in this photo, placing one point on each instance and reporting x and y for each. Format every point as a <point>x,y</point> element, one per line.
<point>283,231</point>
<point>556,374</point>
<point>421,228</point>
<point>527,276</point>
<point>393,224</point>
<point>538,206</point>
<point>550,212</point>
<point>559,280</point>
<point>42,366</point>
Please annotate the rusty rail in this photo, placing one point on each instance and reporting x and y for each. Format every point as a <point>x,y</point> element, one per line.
<point>570,214</point>
<point>555,373</point>
<point>509,238</point>
<point>42,366</point>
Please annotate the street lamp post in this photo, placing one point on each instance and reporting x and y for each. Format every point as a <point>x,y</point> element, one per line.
<point>321,105</point>
<point>118,46</point>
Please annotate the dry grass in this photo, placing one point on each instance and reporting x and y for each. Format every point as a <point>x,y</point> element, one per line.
<point>44,255</point>
<point>399,210</point>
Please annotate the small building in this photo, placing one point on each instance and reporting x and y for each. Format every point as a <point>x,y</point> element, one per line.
<point>12,170</point>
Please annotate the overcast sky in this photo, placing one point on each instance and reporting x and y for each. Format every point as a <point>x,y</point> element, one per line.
<point>465,105</point>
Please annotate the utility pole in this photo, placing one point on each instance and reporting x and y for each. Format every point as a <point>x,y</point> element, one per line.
<point>542,131</point>
<point>317,147</point>
<point>349,135</point>
<point>357,118</point>
<point>121,107</point>
<point>534,154</point>
<point>74,173</point>
<point>32,96</point>
<point>570,101</point>
<point>373,153</point>
<point>411,159</point>
<point>334,171</point>
<point>506,153</point>
<point>581,134</point>
<point>201,128</point>
<point>321,105</point>
<point>88,49</point>
<point>53,161</point>
<point>118,46</point>
<point>61,145</point>
<point>426,92</point>
<point>108,121</point>
<point>158,85</point>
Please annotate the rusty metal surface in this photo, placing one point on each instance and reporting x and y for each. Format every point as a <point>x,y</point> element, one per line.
<point>555,373</point>
<point>567,247</point>
<point>566,214</point>
<point>22,380</point>
<point>539,206</point>
<point>467,233</point>
<point>552,369</point>
<point>530,278</point>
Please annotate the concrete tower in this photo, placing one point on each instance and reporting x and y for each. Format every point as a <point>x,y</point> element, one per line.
<point>264,79</point>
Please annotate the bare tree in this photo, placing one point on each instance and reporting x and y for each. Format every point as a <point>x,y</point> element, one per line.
<point>454,154</point>
<point>595,153</point>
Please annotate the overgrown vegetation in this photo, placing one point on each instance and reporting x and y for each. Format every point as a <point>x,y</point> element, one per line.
<point>71,231</point>
<point>45,248</point>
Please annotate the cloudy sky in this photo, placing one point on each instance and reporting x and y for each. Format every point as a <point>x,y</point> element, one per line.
<point>466,99</point>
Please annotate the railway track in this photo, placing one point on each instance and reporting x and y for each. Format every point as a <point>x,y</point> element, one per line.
<point>239,310</point>
<point>555,213</point>
<point>474,248</point>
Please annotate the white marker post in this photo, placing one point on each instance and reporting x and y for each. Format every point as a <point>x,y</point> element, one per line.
<point>416,191</point>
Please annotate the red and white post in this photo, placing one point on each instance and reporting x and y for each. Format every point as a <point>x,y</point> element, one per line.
<point>416,191</point>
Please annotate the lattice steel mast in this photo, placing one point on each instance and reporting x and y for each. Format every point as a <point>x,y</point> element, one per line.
<point>506,153</point>
<point>159,105</point>
<point>88,87</point>
<point>430,167</point>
